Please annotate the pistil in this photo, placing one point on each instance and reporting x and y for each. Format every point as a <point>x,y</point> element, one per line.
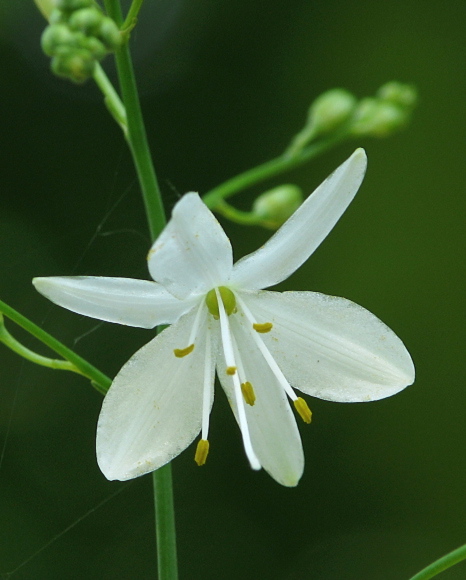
<point>228,350</point>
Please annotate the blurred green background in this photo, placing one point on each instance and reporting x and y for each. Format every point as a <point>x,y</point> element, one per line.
<point>224,87</point>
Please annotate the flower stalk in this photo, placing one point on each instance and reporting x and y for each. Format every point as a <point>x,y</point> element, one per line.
<point>442,564</point>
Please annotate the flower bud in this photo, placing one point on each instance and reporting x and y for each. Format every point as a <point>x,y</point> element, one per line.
<point>401,95</point>
<point>72,5</point>
<point>76,65</point>
<point>276,205</point>
<point>109,34</point>
<point>330,110</point>
<point>55,36</point>
<point>377,118</point>
<point>94,46</point>
<point>86,20</point>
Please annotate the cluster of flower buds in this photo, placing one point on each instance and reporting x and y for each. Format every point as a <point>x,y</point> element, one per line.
<point>79,35</point>
<point>387,112</point>
<point>338,111</point>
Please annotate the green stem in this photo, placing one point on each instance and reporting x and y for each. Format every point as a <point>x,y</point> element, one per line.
<point>267,170</point>
<point>165,523</point>
<point>132,16</point>
<point>442,564</point>
<point>137,138</point>
<point>14,345</point>
<point>245,218</point>
<point>112,99</point>
<point>100,381</point>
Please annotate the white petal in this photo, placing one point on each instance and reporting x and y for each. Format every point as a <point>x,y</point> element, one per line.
<point>273,430</point>
<point>330,347</point>
<point>302,233</point>
<point>153,409</point>
<point>123,300</point>
<point>193,253</point>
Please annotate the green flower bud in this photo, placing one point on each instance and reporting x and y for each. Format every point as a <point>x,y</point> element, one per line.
<point>275,206</point>
<point>55,36</point>
<point>377,118</point>
<point>76,65</point>
<point>94,46</point>
<point>401,95</point>
<point>330,110</point>
<point>109,34</point>
<point>72,5</point>
<point>87,20</point>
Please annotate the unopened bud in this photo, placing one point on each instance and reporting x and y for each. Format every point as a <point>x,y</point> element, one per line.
<point>399,94</point>
<point>275,206</point>
<point>109,34</point>
<point>76,65</point>
<point>86,20</point>
<point>72,5</point>
<point>55,36</point>
<point>331,110</point>
<point>94,46</point>
<point>378,118</point>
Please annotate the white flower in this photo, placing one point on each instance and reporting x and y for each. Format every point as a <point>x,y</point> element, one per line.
<point>261,344</point>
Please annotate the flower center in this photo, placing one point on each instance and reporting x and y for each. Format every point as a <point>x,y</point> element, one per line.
<point>228,300</point>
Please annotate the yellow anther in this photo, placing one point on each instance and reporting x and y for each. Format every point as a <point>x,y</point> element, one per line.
<point>231,370</point>
<point>248,393</point>
<point>262,327</point>
<point>202,450</point>
<point>228,299</point>
<point>302,408</point>
<point>181,352</point>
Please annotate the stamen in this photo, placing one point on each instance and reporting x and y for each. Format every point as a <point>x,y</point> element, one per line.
<point>248,393</point>
<point>231,370</point>
<point>267,354</point>
<point>208,386</point>
<point>303,409</point>
<point>262,327</point>
<point>202,450</point>
<point>181,352</point>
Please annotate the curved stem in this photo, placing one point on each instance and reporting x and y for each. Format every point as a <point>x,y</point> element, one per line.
<point>14,345</point>
<point>442,564</point>
<point>100,381</point>
<point>267,170</point>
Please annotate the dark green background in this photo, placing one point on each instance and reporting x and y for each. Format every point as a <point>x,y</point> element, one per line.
<point>225,85</point>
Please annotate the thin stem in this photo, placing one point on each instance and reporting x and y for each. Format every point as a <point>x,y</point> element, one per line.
<point>165,523</point>
<point>442,564</point>
<point>137,138</point>
<point>238,216</point>
<point>100,381</point>
<point>267,170</point>
<point>132,16</point>
<point>14,345</point>
<point>112,99</point>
